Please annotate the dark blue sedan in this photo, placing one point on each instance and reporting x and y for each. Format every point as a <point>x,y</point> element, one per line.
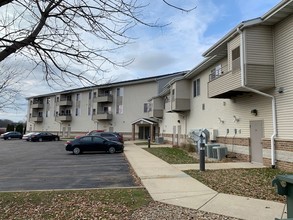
<point>11,134</point>
<point>93,143</point>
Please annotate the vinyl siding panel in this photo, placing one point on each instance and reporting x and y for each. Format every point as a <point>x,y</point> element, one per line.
<point>260,77</point>
<point>228,82</point>
<point>231,46</point>
<point>259,45</point>
<point>259,59</point>
<point>283,34</point>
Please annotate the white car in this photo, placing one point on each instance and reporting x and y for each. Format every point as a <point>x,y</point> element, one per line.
<point>27,136</point>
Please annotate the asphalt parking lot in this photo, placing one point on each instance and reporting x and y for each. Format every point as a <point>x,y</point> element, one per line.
<point>46,165</point>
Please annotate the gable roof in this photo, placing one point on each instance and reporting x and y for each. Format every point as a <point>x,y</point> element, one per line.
<point>219,49</point>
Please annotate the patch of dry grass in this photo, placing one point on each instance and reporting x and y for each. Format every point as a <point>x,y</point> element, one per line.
<point>254,183</point>
<point>83,204</point>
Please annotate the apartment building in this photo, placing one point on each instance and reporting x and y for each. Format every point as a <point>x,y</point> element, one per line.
<point>241,92</point>
<point>121,107</point>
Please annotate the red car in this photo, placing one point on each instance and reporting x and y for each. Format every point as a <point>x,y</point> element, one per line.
<point>89,133</point>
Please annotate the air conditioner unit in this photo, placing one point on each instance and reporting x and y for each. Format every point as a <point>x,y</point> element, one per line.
<point>220,152</point>
<point>213,134</point>
<point>209,150</point>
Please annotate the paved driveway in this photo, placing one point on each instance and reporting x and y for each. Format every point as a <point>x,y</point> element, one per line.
<point>46,165</point>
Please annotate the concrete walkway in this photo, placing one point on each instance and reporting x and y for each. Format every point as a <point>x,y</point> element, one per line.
<point>168,184</point>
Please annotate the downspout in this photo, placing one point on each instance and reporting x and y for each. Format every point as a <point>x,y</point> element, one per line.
<point>274,119</point>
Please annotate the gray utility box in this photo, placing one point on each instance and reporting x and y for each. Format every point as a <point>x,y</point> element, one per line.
<point>216,151</point>
<point>209,149</point>
<point>159,140</point>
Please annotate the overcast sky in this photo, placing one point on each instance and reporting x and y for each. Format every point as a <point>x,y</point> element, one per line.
<point>169,49</point>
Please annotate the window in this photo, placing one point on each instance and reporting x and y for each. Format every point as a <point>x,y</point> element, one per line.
<point>119,91</point>
<point>119,109</point>
<point>236,59</point>
<point>89,111</point>
<point>48,101</point>
<point>57,99</point>
<point>119,104</point>
<point>235,53</point>
<point>146,107</point>
<point>94,111</point>
<point>86,139</point>
<point>90,95</point>
<point>216,72</point>
<point>98,140</point>
<point>77,97</point>
<point>107,109</point>
<point>95,94</point>
<point>173,95</point>
<point>47,113</point>
<point>77,111</point>
<point>196,87</point>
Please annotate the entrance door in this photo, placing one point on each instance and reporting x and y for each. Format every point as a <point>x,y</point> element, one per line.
<point>144,132</point>
<point>256,134</point>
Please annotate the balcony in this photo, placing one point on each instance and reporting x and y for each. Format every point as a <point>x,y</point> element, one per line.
<point>64,117</point>
<point>156,113</point>
<point>103,116</point>
<point>180,105</point>
<point>168,106</point>
<point>36,119</point>
<point>156,108</point>
<point>64,102</point>
<point>104,98</point>
<point>37,105</point>
<point>227,84</point>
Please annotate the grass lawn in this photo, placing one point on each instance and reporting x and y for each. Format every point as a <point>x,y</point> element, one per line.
<point>172,155</point>
<point>83,204</point>
<point>254,183</point>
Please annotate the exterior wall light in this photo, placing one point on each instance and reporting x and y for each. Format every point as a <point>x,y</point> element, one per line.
<point>254,112</point>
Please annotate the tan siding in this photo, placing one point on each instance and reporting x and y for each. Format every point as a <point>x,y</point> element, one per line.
<point>232,45</point>
<point>259,45</point>
<point>260,77</point>
<point>284,76</point>
<point>259,57</point>
<point>225,83</point>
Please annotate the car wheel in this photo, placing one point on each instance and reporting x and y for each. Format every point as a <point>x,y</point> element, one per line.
<point>56,139</point>
<point>112,150</point>
<point>9,138</point>
<point>40,139</point>
<point>76,151</point>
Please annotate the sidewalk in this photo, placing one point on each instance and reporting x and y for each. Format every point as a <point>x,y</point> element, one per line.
<point>168,184</point>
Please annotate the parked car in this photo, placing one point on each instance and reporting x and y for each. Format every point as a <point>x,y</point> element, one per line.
<point>44,136</point>
<point>11,134</point>
<point>112,136</point>
<point>93,143</point>
<point>27,136</point>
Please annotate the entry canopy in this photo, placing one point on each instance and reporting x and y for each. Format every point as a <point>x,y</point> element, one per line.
<point>143,121</point>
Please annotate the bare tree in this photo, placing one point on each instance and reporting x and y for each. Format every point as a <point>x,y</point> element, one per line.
<point>10,87</point>
<point>68,38</point>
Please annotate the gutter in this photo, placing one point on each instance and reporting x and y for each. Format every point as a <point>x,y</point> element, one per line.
<point>274,118</point>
